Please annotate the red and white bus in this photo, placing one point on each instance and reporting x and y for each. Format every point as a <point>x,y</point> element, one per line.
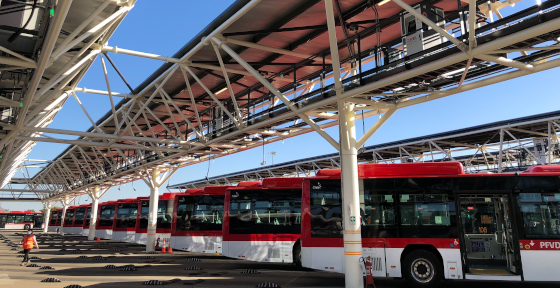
<point>105,220</point>
<point>67,226</point>
<point>197,220</point>
<point>164,219</point>
<point>263,223</point>
<point>87,219</point>
<point>430,221</point>
<point>124,227</point>
<point>54,222</point>
<point>20,220</point>
<point>79,214</point>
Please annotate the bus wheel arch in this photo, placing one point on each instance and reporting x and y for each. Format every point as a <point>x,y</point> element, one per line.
<point>422,265</point>
<point>26,227</point>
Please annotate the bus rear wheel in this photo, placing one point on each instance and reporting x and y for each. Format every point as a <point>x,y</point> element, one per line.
<point>422,269</point>
<point>26,227</point>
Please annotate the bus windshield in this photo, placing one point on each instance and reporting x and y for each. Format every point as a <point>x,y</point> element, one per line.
<point>107,215</point>
<point>274,211</point>
<point>126,215</point>
<point>200,213</point>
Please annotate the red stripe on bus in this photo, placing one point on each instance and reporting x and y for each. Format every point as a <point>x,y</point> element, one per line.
<point>439,243</point>
<point>527,245</point>
<point>197,233</point>
<point>261,237</point>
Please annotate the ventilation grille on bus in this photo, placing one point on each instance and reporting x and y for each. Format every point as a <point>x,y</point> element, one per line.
<point>273,253</point>
<point>376,265</point>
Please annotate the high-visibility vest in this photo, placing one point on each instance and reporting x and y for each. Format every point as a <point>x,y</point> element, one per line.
<point>28,241</point>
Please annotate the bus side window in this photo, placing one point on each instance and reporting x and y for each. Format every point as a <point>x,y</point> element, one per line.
<point>378,209</point>
<point>426,209</point>
<point>540,214</point>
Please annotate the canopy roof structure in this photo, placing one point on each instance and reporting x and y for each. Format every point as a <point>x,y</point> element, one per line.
<point>45,49</point>
<point>526,141</point>
<point>262,72</point>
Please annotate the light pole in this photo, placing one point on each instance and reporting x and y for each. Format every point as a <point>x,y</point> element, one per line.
<point>272,155</point>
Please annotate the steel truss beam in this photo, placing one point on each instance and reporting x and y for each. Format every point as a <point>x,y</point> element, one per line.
<point>145,132</point>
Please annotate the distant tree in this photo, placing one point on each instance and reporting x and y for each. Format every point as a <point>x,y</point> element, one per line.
<point>32,210</point>
<point>45,210</point>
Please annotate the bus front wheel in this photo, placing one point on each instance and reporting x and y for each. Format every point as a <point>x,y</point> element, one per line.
<point>422,268</point>
<point>26,227</point>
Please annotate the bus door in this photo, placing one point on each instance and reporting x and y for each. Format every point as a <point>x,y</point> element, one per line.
<point>487,232</point>
<point>3,221</point>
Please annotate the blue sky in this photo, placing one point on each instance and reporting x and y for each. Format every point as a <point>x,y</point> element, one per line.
<point>154,28</point>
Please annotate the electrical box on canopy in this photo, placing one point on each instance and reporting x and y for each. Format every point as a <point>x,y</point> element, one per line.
<point>417,36</point>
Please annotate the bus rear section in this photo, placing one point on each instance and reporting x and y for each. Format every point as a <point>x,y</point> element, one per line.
<point>124,226</point>
<point>429,221</point>
<point>164,219</point>
<point>54,223</point>
<point>38,220</point>
<point>87,220</point>
<point>79,217</point>
<point>67,226</point>
<point>17,220</point>
<point>197,220</point>
<point>105,220</point>
<point>263,223</point>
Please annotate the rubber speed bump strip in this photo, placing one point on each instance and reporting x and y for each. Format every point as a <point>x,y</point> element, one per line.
<point>33,265</point>
<point>155,282</point>
<point>193,268</point>
<point>152,252</point>
<point>20,256</point>
<point>268,285</point>
<point>74,286</point>
<point>35,258</point>
<point>14,249</point>
<point>147,257</point>
<point>98,258</point>
<point>46,268</point>
<point>76,252</point>
<point>51,280</point>
<point>192,259</point>
<point>250,271</point>
<point>110,267</point>
<point>82,257</point>
<point>128,268</point>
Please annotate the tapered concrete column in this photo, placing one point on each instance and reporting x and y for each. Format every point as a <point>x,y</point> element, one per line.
<point>95,195</point>
<point>350,197</point>
<point>46,216</point>
<point>152,216</point>
<point>349,168</point>
<point>154,180</point>
<point>65,203</point>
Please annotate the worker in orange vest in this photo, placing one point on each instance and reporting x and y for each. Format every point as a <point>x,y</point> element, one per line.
<point>28,241</point>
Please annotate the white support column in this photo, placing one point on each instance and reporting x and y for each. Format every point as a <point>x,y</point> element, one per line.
<point>46,216</point>
<point>349,169</point>
<point>154,181</point>
<point>152,216</point>
<point>95,196</point>
<point>65,204</point>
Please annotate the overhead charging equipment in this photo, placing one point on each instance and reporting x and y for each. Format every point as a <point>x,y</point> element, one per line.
<point>416,35</point>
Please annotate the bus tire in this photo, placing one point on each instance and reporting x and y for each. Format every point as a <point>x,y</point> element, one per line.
<point>296,254</point>
<point>422,269</point>
<point>26,227</point>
